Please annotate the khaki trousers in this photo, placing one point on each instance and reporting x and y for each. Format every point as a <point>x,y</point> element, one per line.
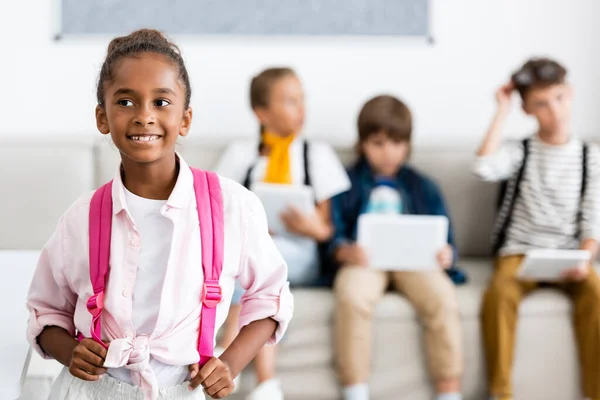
<point>499,321</point>
<point>432,294</point>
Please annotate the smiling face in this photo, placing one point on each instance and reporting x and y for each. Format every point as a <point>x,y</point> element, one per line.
<point>144,108</point>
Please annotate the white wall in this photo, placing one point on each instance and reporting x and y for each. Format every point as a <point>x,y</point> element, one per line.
<point>48,86</point>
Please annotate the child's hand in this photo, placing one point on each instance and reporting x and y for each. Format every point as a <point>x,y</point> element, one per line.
<point>352,255</point>
<point>297,222</point>
<point>504,95</point>
<point>88,360</point>
<point>214,377</point>
<point>445,257</point>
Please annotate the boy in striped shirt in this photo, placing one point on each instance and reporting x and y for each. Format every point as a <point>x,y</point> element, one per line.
<point>551,201</point>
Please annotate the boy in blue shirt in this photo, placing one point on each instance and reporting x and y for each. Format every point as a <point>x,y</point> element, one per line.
<point>383,183</point>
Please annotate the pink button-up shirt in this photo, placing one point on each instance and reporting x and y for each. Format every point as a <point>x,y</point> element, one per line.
<point>61,284</point>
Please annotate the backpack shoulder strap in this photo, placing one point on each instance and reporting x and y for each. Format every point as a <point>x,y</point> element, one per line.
<point>307,180</point>
<point>248,176</point>
<point>525,144</point>
<point>584,174</point>
<point>100,226</point>
<point>508,204</point>
<point>209,203</point>
<point>521,170</point>
<point>584,169</point>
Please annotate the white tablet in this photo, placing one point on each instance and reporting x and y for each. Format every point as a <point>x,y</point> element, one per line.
<point>402,242</point>
<point>276,199</point>
<point>550,264</point>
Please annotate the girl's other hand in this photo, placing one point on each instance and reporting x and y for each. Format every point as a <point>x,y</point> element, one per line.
<point>215,377</point>
<point>88,360</point>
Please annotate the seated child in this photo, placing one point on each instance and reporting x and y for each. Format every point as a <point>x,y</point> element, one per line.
<point>280,155</point>
<point>382,173</point>
<point>551,201</point>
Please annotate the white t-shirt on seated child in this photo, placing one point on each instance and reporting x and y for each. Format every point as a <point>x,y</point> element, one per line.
<point>327,174</point>
<point>328,178</point>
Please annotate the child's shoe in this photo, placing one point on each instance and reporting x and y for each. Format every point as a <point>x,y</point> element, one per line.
<point>269,390</point>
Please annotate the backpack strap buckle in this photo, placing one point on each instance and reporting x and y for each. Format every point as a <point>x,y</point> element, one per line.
<point>95,303</point>
<point>212,294</point>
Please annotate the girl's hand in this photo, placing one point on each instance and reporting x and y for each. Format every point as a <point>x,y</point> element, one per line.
<point>88,360</point>
<point>295,221</point>
<point>352,255</point>
<point>445,257</point>
<point>215,377</point>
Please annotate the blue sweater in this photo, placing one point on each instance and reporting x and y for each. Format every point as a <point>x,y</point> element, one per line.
<point>421,196</point>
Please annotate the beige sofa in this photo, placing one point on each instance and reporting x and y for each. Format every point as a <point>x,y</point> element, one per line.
<point>41,176</point>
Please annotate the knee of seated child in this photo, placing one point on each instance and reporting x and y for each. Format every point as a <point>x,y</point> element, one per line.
<point>589,298</point>
<point>438,303</point>
<point>502,291</point>
<point>352,294</point>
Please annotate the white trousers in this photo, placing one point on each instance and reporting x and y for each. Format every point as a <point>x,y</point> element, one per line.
<point>67,387</point>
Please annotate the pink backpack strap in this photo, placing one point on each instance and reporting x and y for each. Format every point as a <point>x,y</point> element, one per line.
<point>100,220</point>
<point>209,201</point>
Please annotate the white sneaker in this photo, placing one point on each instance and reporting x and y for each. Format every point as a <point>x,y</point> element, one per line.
<point>269,390</point>
<point>238,379</point>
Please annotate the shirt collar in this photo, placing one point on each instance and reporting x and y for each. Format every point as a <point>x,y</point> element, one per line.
<point>180,196</point>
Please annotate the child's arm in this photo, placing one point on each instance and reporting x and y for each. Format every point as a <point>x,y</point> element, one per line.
<point>216,377</point>
<point>50,300</point>
<point>248,342</point>
<point>343,249</point>
<point>590,209</point>
<point>491,142</point>
<point>317,226</point>
<point>85,360</point>
<point>329,178</point>
<point>267,303</point>
<point>51,303</point>
<point>495,162</point>
<point>263,273</point>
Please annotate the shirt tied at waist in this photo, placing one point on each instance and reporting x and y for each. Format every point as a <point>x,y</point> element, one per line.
<point>133,353</point>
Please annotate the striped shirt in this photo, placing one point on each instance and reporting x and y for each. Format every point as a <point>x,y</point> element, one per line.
<point>545,214</point>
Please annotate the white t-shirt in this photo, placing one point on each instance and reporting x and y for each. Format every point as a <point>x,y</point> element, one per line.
<point>327,174</point>
<point>156,234</point>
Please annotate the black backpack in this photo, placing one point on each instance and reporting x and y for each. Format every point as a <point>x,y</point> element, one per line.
<point>510,190</point>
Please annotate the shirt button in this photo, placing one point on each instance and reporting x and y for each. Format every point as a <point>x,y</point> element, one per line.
<point>129,335</point>
<point>125,293</point>
<point>135,242</point>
